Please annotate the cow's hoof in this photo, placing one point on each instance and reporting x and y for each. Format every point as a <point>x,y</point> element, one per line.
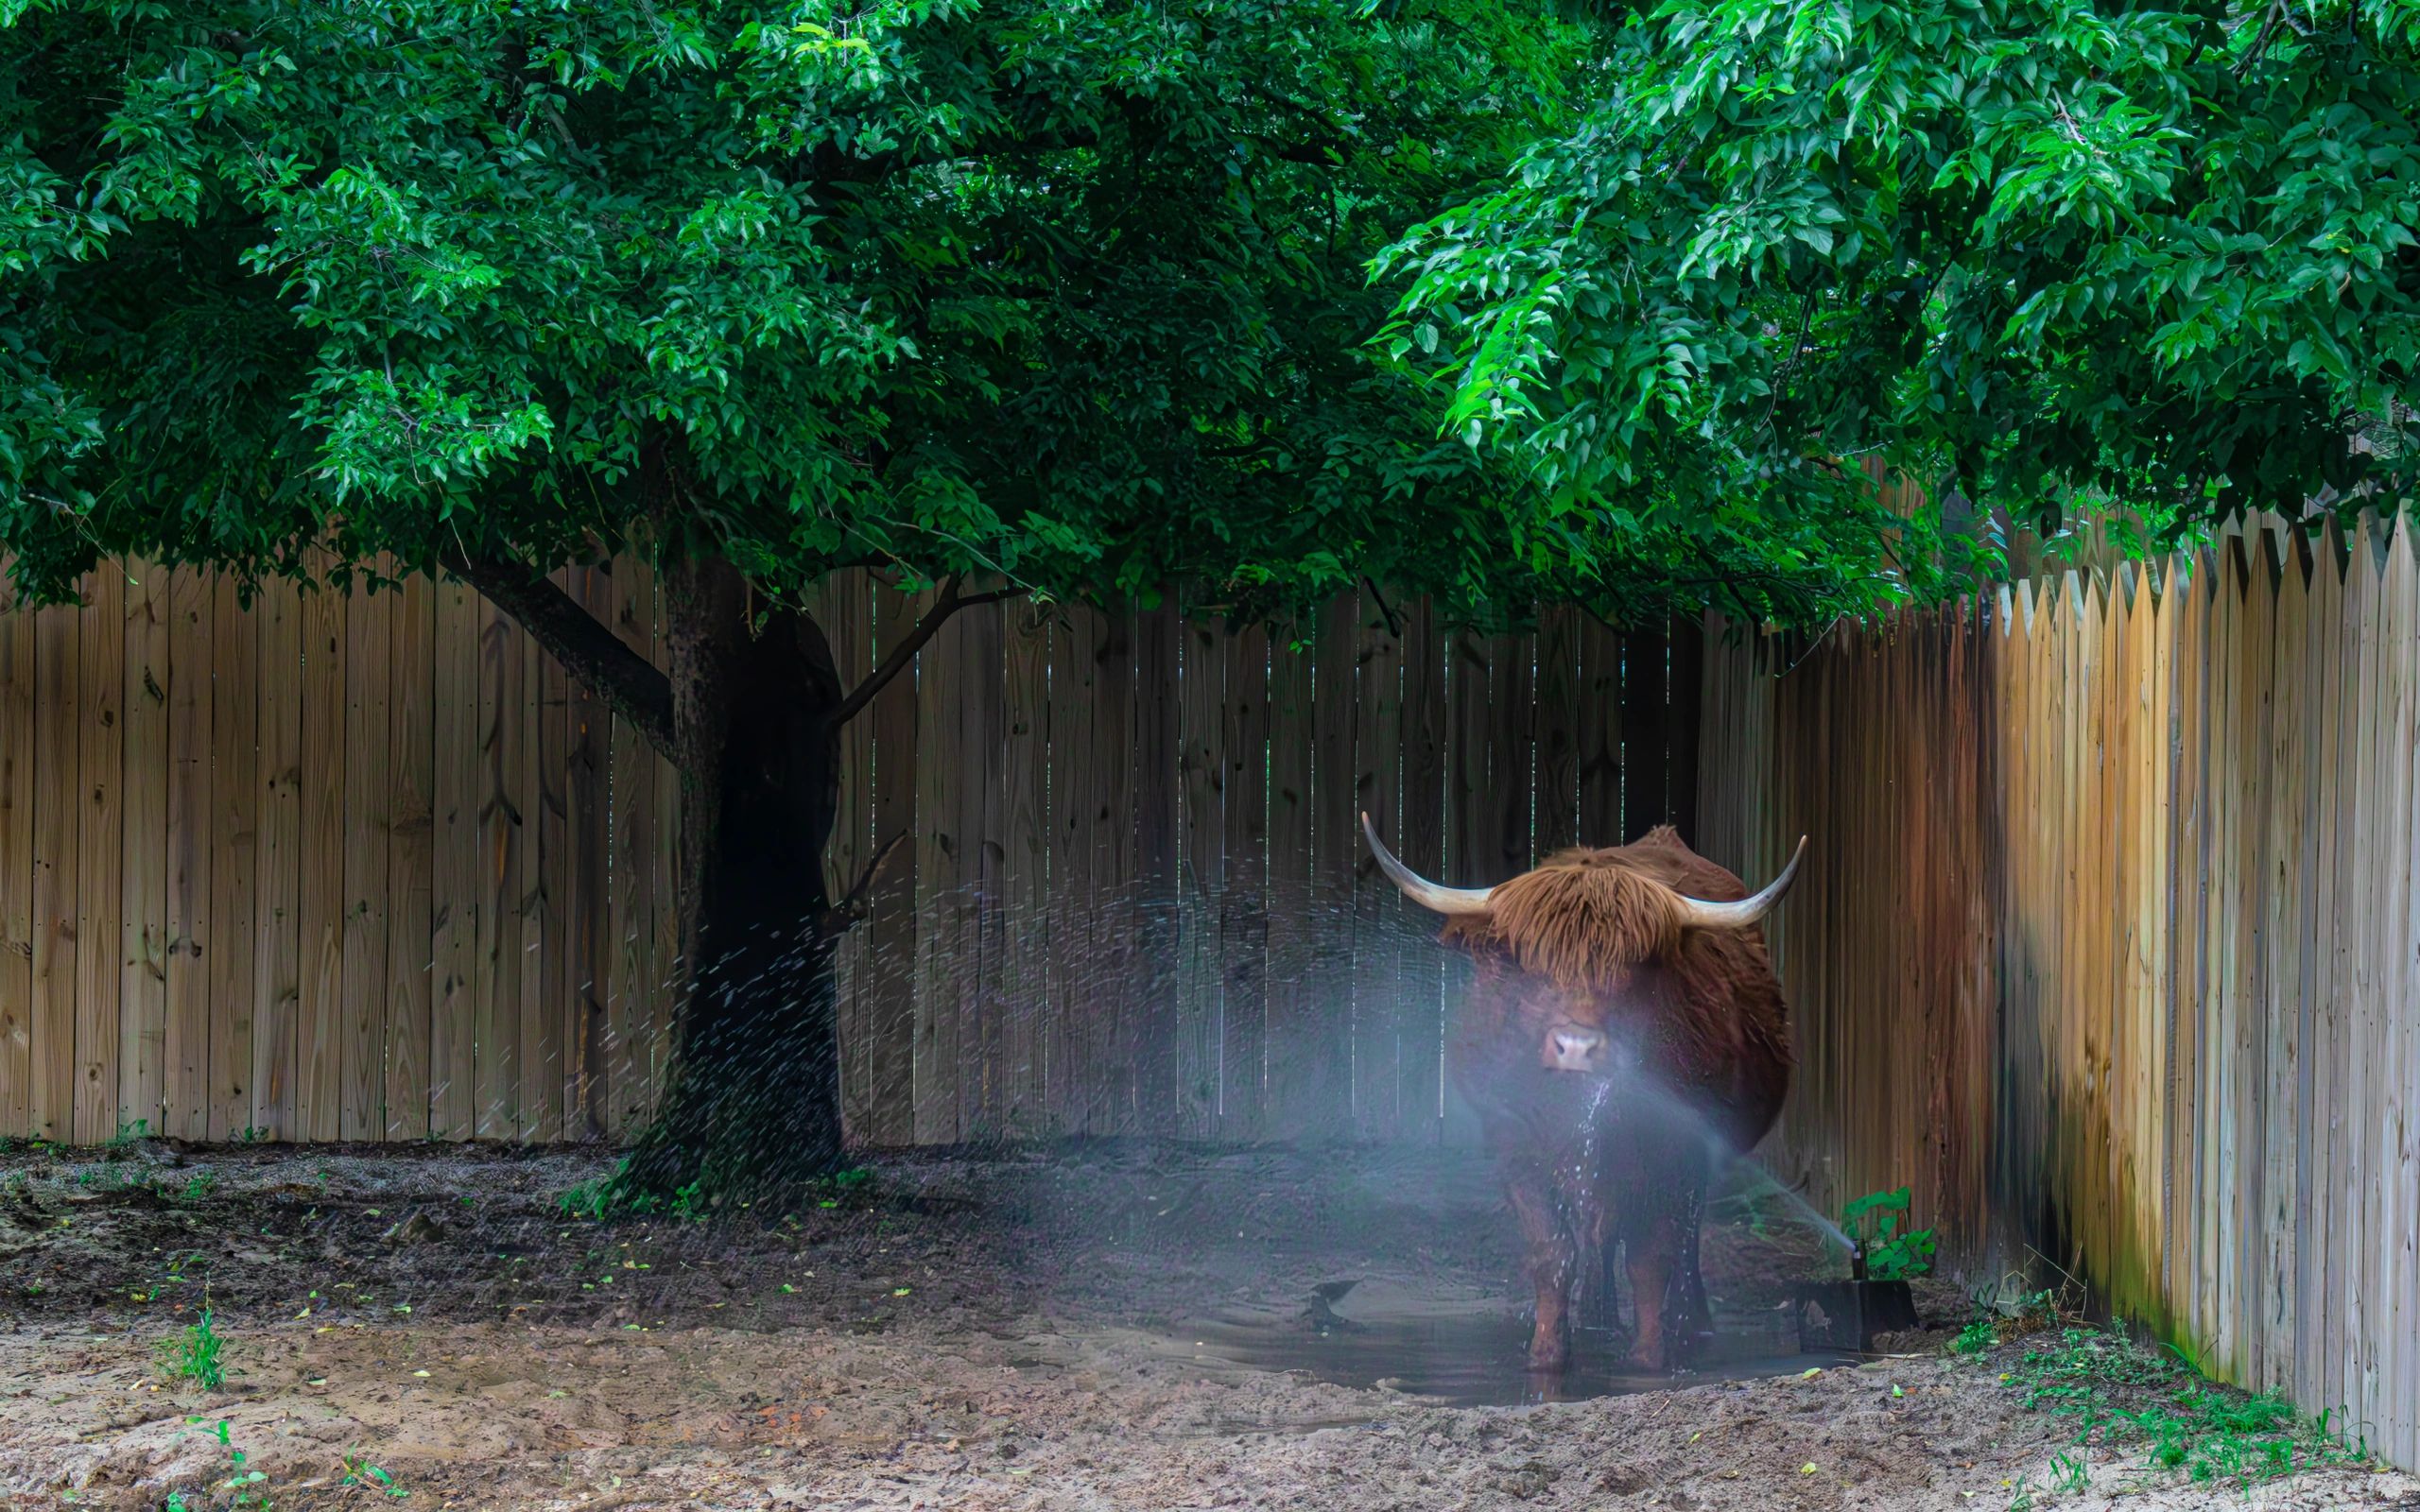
<point>1548,1357</point>
<point>1644,1361</point>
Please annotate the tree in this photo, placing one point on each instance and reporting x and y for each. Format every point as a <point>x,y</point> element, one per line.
<point>2050,255</point>
<point>1060,295</point>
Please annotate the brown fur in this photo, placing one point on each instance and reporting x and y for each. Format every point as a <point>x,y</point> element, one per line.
<point>1592,937</point>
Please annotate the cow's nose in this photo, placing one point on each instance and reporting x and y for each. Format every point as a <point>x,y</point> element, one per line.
<point>1575,1049</point>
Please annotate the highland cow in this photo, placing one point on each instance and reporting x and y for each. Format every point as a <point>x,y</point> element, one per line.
<point>1623,1036</point>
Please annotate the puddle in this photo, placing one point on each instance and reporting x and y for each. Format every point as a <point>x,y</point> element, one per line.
<point>1472,1350</point>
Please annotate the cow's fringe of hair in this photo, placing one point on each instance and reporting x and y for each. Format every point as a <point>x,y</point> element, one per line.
<point>1581,919</point>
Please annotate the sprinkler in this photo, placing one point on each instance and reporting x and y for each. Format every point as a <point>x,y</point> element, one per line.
<point>1847,1315</point>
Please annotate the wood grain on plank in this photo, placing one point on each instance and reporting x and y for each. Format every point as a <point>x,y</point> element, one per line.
<point>18,821</point>
<point>411,826</point>
<point>369,798</point>
<point>100,856</point>
<point>57,631</point>
<point>189,850</point>
<point>454,897</point>
<point>319,1082</point>
<point>143,905</point>
<point>230,953</point>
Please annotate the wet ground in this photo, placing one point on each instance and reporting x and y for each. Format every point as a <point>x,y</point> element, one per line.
<point>1103,1327</point>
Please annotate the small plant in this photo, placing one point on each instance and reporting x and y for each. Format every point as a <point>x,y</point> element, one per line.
<point>127,1135</point>
<point>193,1354</point>
<point>360,1471</point>
<point>242,1479</point>
<point>592,1200</point>
<point>251,1134</point>
<point>607,1198</point>
<point>1978,1335</point>
<point>2069,1475</point>
<point>200,1185</point>
<point>1892,1252</point>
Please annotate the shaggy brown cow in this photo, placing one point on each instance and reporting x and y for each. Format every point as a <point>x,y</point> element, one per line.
<point>1624,1032</point>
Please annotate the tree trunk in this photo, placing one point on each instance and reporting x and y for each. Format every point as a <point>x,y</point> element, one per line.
<point>751,1105</point>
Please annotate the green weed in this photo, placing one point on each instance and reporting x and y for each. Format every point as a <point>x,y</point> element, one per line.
<point>200,1185</point>
<point>360,1471</point>
<point>606,1197</point>
<point>193,1354</point>
<point>1976,1336</point>
<point>1999,1317</point>
<point>2119,1392</point>
<point>593,1200</point>
<point>242,1481</point>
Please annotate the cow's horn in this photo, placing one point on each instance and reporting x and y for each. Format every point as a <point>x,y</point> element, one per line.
<point>1429,895</point>
<point>1696,912</point>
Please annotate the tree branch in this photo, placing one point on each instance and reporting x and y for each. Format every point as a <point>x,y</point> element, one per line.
<point>1395,627</point>
<point>950,602</point>
<point>850,911</point>
<point>586,648</point>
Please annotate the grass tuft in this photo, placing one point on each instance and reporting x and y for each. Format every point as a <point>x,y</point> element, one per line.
<point>193,1354</point>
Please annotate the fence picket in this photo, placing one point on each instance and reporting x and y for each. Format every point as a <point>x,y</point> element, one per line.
<point>17,823</point>
<point>454,866</point>
<point>1379,1094</point>
<point>410,860</point>
<point>1243,912</point>
<point>368,760</point>
<point>51,1092</point>
<point>186,1093</point>
<point>142,1009</point>
<point>238,805</point>
<point>100,772</point>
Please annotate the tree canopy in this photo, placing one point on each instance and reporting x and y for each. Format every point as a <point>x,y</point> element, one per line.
<point>2050,255</point>
<point>1071,291</point>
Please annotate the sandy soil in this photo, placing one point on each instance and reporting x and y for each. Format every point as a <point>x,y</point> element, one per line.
<point>1118,1327</point>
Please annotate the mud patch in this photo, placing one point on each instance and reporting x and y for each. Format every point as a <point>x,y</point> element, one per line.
<point>1466,1346</point>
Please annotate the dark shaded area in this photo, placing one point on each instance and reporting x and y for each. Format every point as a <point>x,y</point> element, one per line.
<point>1152,1236</point>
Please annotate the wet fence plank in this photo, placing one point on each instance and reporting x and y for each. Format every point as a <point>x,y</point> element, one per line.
<point>1243,898</point>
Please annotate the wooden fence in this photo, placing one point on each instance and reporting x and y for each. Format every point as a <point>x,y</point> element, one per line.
<point>2111,946</point>
<point>371,867</point>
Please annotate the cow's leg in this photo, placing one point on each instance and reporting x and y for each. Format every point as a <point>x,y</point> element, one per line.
<point>1553,1264</point>
<point>1654,1249</point>
<point>1689,1315</point>
<point>1696,1313</point>
<point>1603,1266</point>
<point>1592,1223</point>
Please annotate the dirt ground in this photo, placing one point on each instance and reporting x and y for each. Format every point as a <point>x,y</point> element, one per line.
<point>1094,1327</point>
